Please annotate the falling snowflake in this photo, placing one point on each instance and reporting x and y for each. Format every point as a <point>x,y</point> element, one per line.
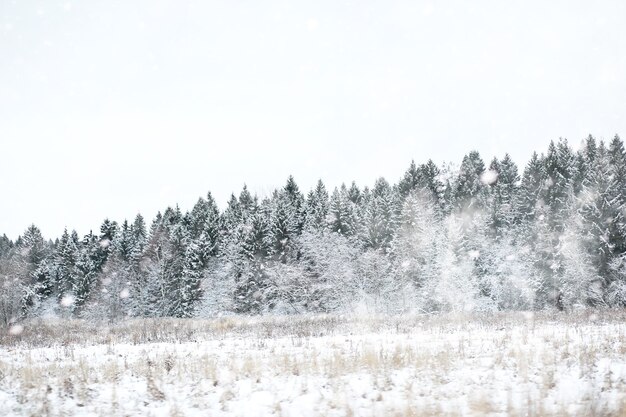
<point>489,177</point>
<point>67,300</point>
<point>124,293</point>
<point>16,330</point>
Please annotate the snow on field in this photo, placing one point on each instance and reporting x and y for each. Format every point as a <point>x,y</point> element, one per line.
<point>319,366</point>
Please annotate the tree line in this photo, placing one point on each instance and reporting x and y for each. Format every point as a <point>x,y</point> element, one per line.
<point>472,237</point>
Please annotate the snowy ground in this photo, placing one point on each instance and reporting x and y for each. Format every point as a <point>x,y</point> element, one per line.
<point>509,364</point>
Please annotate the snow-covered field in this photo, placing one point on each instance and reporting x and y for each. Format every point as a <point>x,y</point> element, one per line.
<point>505,364</point>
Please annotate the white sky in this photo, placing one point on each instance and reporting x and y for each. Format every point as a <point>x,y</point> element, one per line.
<point>108,108</point>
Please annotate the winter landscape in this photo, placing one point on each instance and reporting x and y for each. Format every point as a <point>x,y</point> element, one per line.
<point>451,292</point>
<point>333,208</point>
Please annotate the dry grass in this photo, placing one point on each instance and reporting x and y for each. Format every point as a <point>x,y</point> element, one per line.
<point>503,364</point>
<point>68,332</point>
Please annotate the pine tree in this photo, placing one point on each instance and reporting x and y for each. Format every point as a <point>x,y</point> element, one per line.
<point>148,288</point>
<point>469,188</point>
<point>296,201</point>
<point>24,261</point>
<point>316,208</point>
<point>415,244</point>
<point>68,278</point>
<point>426,176</point>
<point>508,184</point>
<point>198,217</point>
<point>342,214</point>
<point>33,247</point>
<point>108,233</point>
<point>593,211</point>
<point>108,230</point>
<point>616,195</point>
<point>248,241</point>
<point>282,226</point>
<point>212,225</point>
<point>530,192</point>
<point>179,291</point>
<point>585,159</point>
<point>189,289</point>
<point>503,190</point>
<point>615,200</point>
<point>560,166</point>
<point>411,180</point>
<point>247,203</point>
<point>380,217</point>
<point>139,238</point>
<point>456,287</point>
<point>123,243</point>
<point>354,194</point>
<point>5,246</point>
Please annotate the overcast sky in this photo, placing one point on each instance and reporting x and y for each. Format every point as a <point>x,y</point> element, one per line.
<point>109,108</point>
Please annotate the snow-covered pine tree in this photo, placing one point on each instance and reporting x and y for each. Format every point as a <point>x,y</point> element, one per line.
<point>456,288</point>
<point>316,208</point>
<point>67,276</point>
<point>198,217</point>
<point>469,189</point>
<point>414,247</point>
<point>380,217</point>
<point>560,168</point>
<point>616,236</point>
<point>594,212</point>
<point>282,226</point>
<point>503,188</point>
<point>211,228</point>
<point>354,194</point>
<point>530,193</point>
<point>411,180</point>
<point>246,248</point>
<point>426,176</point>
<point>139,238</point>
<point>342,214</point>
<point>296,200</point>
<point>5,246</point>
<point>123,242</point>
<point>32,251</point>
<point>180,289</point>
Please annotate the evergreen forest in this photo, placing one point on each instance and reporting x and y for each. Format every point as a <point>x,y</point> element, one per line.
<point>483,235</point>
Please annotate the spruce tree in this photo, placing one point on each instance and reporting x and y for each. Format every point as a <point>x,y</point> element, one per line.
<point>354,194</point>
<point>340,213</point>
<point>381,217</point>
<point>316,208</point>
<point>415,245</point>
<point>469,189</point>
<point>296,201</point>
<point>283,226</point>
<point>139,237</point>
<point>5,246</point>
<point>530,193</point>
<point>410,181</point>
